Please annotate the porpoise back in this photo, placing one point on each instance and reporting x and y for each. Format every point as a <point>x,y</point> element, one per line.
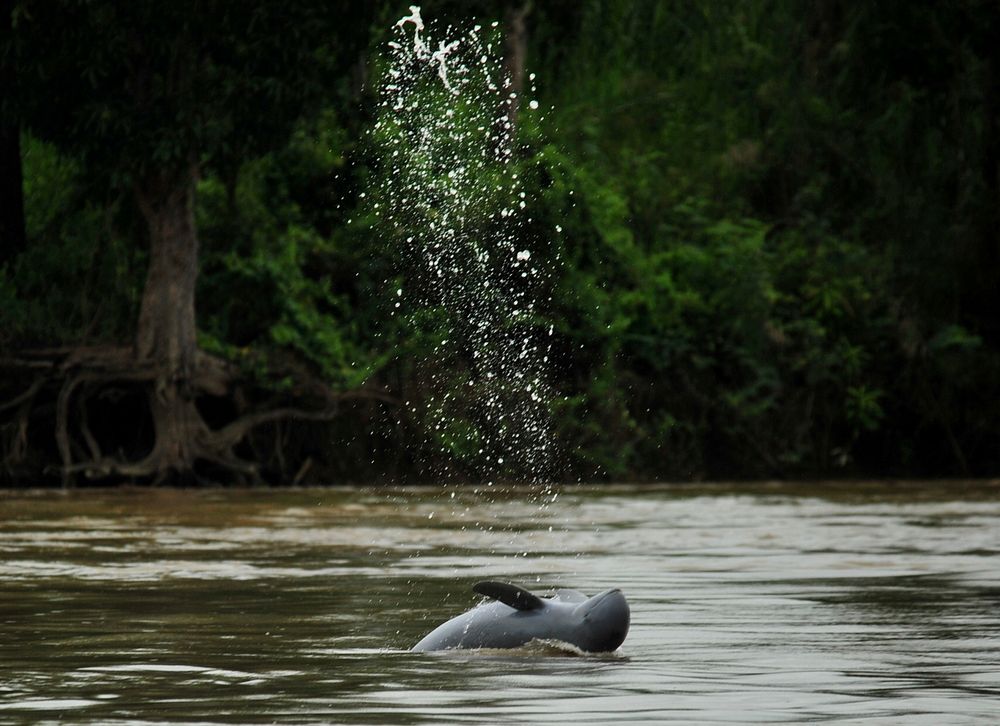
<point>514,617</point>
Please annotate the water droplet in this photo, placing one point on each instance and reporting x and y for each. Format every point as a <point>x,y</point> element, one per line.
<point>445,166</point>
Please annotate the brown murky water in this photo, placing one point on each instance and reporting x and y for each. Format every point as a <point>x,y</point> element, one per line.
<point>753,604</point>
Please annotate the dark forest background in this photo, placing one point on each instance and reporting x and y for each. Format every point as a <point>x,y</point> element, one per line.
<point>778,241</point>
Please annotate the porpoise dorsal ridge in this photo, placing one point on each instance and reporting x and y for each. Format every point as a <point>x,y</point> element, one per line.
<point>510,595</point>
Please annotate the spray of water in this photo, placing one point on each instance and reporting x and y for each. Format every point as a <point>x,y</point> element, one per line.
<point>448,189</point>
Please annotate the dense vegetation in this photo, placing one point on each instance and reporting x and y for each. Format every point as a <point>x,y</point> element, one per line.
<point>777,223</point>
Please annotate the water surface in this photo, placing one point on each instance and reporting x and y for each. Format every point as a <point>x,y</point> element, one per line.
<point>763,604</point>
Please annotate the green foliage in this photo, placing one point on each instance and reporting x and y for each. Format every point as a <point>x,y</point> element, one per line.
<point>273,280</point>
<point>764,249</point>
<point>143,89</point>
<point>775,223</point>
<point>78,277</point>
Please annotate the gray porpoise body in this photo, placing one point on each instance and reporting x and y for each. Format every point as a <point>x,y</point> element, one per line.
<point>515,617</point>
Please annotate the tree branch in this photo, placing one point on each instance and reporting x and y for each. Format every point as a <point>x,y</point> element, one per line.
<point>33,389</point>
<point>233,433</point>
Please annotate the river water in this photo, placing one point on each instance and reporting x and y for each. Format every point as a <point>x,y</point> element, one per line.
<point>757,603</point>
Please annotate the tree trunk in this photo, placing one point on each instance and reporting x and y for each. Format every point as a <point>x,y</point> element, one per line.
<point>986,296</point>
<point>12,237</point>
<point>167,334</point>
<point>515,57</point>
<point>167,331</point>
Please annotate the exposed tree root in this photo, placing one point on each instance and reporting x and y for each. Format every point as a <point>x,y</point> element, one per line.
<point>184,445</point>
<point>16,445</point>
<point>25,397</point>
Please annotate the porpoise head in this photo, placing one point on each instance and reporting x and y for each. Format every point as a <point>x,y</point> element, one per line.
<point>603,621</point>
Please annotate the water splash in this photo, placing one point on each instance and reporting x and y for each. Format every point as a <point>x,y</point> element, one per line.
<point>449,189</point>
